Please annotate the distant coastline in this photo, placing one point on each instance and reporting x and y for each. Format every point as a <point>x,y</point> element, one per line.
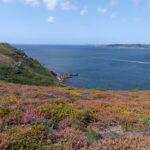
<point>145,46</point>
<point>98,45</point>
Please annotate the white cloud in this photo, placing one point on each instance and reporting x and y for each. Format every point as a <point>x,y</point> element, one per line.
<point>51,4</point>
<point>102,10</point>
<point>33,3</point>
<point>51,19</point>
<point>67,5</point>
<point>83,12</point>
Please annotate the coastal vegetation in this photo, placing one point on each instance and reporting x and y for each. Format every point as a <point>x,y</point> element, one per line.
<point>60,118</point>
<point>17,67</point>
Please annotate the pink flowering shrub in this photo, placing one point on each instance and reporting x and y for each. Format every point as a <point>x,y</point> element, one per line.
<point>72,139</point>
<point>27,117</point>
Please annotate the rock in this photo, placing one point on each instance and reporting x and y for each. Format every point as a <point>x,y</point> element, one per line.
<point>50,96</point>
<point>64,76</point>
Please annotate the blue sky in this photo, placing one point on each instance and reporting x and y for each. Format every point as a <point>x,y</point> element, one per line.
<point>74,21</point>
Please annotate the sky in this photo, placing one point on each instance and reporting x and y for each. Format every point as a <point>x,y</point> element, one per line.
<point>75,21</point>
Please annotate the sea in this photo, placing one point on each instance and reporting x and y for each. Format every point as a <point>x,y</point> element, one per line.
<point>98,66</point>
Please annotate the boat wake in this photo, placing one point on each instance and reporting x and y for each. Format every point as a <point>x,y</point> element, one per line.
<point>129,61</point>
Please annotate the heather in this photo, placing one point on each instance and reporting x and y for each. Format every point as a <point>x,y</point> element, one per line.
<point>57,118</point>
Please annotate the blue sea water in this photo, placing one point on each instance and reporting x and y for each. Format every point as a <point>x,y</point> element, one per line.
<point>98,67</point>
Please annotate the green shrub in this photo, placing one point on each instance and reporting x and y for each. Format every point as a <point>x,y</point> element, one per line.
<point>145,119</point>
<point>86,116</point>
<point>4,111</point>
<point>70,88</point>
<point>92,136</point>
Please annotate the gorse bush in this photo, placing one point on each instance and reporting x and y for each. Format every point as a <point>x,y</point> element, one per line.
<point>60,110</point>
<point>58,102</point>
<point>14,117</point>
<point>26,138</point>
<point>9,117</point>
<point>9,100</point>
<point>74,93</point>
<point>123,111</point>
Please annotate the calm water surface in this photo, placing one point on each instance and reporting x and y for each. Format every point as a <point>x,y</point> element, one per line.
<point>99,67</point>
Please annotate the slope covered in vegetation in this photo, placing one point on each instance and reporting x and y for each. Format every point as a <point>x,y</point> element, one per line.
<point>17,67</point>
<point>50,118</point>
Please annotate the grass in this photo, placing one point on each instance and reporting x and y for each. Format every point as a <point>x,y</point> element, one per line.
<point>145,119</point>
<point>92,136</point>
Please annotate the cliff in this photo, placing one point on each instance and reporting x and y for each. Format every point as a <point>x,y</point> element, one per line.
<point>17,67</point>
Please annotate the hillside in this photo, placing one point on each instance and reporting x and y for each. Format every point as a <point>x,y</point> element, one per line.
<point>17,67</point>
<point>52,118</point>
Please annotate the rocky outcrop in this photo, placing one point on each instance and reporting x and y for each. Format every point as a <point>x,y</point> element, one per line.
<point>62,77</point>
